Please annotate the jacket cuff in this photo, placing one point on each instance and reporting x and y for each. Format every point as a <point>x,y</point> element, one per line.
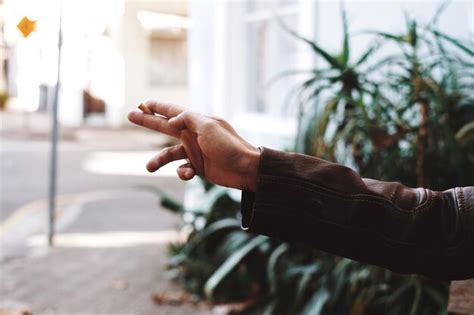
<point>247,205</point>
<point>259,210</point>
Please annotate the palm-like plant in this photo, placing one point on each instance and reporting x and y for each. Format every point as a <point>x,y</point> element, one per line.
<point>407,117</point>
<point>400,118</point>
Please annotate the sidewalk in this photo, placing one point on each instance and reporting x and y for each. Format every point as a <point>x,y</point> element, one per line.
<point>37,127</point>
<point>111,243</point>
<point>110,260</point>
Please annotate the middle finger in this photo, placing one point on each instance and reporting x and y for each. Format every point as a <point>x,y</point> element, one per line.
<point>153,122</point>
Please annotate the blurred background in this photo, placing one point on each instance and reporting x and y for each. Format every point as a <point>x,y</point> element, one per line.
<point>276,71</point>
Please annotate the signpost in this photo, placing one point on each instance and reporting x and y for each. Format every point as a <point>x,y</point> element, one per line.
<point>26,27</point>
<point>54,142</point>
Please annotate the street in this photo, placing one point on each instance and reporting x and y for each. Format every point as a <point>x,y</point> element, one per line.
<point>111,233</point>
<point>99,162</point>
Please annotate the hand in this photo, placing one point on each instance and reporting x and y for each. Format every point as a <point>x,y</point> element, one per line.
<point>215,151</point>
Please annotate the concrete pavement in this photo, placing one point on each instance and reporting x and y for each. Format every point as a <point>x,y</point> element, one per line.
<point>109,260</point>
<point>110,253</point>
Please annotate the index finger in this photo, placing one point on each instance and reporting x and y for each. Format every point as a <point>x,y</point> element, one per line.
<point>165,109</point>
<point>156,123</point>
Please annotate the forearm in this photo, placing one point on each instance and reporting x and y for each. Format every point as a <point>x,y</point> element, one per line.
<point>306,199</point>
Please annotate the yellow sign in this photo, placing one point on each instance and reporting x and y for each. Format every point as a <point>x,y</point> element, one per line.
<point>26,26</point>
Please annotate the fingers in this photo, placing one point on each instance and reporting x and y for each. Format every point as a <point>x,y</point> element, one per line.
<point>166,156</point>
<point>186,171</point>
<point>153,122</point>
<point>188,120</point>
<point>165,109</point>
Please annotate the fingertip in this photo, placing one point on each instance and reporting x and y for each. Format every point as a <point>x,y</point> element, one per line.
<point>134,116</point>
<point>173,121</point>
<point>153,164</point>
<point>177,123</point>
<point>186,173</point>
<point>151,167</point>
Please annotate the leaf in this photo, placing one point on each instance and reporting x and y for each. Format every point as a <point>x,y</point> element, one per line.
<point>172,204</point>
<point>463,133</point>
<point>398,293</point>
<point>439,11</point>
<point>436,296</point>
<point>288,73</point>
<point>397,38</point>
<point>271,265</point>
<point>302,269</point>
<point>412,34</point>
<point>270,309</point>
<point>214,194</point>
<point>416,302</point>
<point>326,56</point>
<point>368,53</point>
<point>230,263</point>
<point>223,224</point>
<point>230,243</point>
<point>166,200</point>
<point>304,282</point>
<point>316,303</point>
<point>345,46</point>
<point>455,42</point>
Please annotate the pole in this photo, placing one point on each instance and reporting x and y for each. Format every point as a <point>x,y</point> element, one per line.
<point>54,141</point>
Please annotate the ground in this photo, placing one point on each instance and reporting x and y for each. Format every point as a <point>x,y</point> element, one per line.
<point>110,248</point>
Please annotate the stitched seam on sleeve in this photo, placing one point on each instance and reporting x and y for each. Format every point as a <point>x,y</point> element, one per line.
<point>343,195</point>
<point>462,201</point>
<point>467,216</point>
<point>357,197</point>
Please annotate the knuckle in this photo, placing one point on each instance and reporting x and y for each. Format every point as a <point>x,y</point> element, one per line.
<point>218,119</point>
<point>223,123</point>
<point>164,152</point>
<point>209,124</point>
<point>174,151</point>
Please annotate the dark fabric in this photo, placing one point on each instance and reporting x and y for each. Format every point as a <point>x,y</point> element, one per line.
<point>408,230</point>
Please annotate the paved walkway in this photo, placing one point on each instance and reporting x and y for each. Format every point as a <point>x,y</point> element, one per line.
<point>110,260</point>
<point>110,255</point>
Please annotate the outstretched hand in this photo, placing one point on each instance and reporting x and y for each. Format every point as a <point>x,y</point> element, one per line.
<point>214,150</point>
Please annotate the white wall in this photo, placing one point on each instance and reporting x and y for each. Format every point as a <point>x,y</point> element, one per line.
<point>221,67</point>
<point>135,47</point>
<point>388,16</point>
<point>218,60</point>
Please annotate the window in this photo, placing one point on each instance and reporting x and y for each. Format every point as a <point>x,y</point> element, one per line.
<point>270,52</point>
<point>168,60</point>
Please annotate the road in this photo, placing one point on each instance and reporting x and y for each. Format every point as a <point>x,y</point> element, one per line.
<point>111,238</point>
<point>98,163</point>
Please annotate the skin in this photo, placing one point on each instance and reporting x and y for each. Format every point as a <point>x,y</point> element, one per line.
<point>214,149</point>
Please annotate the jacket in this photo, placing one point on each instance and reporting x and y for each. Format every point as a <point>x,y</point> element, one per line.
<point>329,206</point>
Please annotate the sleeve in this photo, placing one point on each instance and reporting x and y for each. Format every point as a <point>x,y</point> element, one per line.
<point>330,207</point>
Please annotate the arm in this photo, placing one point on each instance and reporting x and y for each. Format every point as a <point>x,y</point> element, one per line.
<point>306,199</point>
<point>329,206</point>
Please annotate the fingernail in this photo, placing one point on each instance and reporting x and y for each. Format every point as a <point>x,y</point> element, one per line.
<point>188,173</point>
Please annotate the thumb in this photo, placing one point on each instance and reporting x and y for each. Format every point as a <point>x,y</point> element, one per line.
<point>186,171</point>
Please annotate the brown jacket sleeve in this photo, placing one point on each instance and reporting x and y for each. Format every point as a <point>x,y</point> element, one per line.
<point>329,206</point>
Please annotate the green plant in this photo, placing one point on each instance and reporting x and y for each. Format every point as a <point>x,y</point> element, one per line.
<point>410,118</point>
<point>407,117</point>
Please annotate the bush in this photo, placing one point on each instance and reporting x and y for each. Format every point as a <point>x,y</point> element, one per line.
<point>407,117</point>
